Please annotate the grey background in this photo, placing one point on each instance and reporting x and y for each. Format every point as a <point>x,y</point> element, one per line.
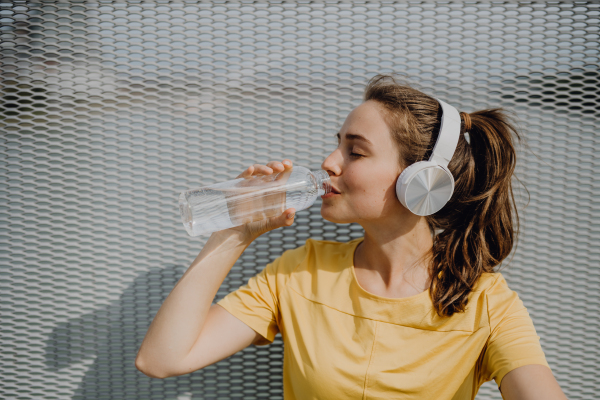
<point>110,109</point>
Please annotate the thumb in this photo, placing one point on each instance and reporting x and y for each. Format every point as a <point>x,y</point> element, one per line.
<point>272,223</point>
<point>288,216</point>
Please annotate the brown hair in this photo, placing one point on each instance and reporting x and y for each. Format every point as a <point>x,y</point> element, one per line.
<point>476,224</point>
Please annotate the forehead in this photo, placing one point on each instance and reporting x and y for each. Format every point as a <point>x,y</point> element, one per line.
<point>367,120</point>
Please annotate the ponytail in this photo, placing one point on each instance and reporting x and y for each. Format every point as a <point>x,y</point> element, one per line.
<point>477,222</point>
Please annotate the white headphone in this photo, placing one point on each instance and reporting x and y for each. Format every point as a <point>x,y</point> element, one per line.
<point>426,186</point>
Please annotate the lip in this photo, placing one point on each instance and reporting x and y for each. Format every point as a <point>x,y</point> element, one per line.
<point>330,194</point>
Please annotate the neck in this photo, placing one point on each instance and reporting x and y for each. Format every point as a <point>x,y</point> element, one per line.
<point>398,256</point>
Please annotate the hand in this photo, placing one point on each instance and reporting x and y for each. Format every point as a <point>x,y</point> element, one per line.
<point>274,215</point>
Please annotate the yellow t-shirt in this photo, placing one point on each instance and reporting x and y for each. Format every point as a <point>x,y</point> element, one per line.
<point>342,342</point>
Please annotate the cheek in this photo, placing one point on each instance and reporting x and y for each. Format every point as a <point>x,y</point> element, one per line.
<point>370,186</point>
<point>373,190</point>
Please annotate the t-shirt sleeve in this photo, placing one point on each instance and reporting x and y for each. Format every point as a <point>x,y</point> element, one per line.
<point>257,302</point>
<point>513,341</point>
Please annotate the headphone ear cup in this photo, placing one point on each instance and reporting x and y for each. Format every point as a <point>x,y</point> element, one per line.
<point>424,187</point>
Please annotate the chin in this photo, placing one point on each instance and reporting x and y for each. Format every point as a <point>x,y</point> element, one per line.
<point>329,215</point>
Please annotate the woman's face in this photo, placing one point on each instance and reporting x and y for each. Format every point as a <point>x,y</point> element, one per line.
<point>364,171</point>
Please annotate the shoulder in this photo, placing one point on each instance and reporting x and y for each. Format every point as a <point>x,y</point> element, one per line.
<point>493,287</point>
<point>331,247</point>
<point>501,301</point>
<point>314,250</point>
<point>488,279</point>
<point>491,283</point>
<point>490,302</point>
<point>295,261</point>
<point>490,293</point>
<point>314,255</point>
<point>487,283</point>
<point>294,256</point>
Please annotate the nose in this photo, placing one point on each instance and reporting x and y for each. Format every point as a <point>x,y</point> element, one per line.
<point>331,164</point>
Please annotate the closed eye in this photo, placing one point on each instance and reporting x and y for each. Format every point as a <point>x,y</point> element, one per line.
<point>352,154</point>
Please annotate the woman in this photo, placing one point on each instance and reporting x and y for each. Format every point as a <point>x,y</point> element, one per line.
<point>412,310</point>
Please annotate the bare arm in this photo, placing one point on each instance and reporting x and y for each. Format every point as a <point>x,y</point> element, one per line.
<point>179,320</point>
<point>187,333</point>
<point>531,382</point>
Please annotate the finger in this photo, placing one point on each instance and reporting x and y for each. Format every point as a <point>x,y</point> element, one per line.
<point>276,166</point>
<point>286,167</point>
<point>245,173</point>
<point>289,221</point>
<point>262,169</point>
<point>289,214</point>
<point>248,172</point>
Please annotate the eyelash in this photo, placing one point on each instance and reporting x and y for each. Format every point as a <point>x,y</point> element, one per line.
<point>354,155</point>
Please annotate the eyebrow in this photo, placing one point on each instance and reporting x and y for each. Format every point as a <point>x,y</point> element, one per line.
<point>354,136</point>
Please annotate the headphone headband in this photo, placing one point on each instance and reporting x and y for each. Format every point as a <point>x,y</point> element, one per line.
<point>448,137</point>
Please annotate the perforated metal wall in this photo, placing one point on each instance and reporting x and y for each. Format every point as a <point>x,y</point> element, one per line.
<point>110,109</point>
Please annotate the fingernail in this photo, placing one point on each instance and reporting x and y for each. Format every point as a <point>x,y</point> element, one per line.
<point>290,215</point>
<point>286,162</point>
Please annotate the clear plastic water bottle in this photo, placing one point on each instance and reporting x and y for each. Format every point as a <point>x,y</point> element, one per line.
<point>239,201</point>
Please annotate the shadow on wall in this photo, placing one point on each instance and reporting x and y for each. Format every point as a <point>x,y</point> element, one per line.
<point>112,335</point>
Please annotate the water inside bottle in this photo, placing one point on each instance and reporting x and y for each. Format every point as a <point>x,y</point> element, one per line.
<point>204,211</point>
<point>234,203</point>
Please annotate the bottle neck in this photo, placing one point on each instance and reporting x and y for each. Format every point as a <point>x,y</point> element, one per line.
<point>323,181</point>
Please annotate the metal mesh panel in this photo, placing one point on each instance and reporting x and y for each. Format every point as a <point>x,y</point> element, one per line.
<point>110,109</point>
